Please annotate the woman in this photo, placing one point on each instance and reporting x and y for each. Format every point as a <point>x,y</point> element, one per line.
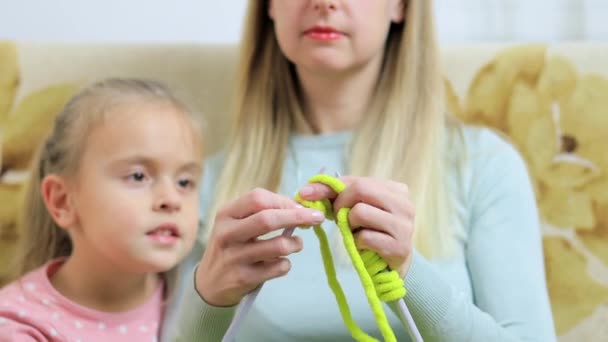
<point>356,86</point>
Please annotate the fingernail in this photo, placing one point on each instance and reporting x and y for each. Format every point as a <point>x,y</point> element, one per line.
<point>318,215</point>
<point>299,206</point>
<point>299,242</point>
<point>306,190</point>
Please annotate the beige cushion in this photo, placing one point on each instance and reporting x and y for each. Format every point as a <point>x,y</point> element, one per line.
<point>201,75</point>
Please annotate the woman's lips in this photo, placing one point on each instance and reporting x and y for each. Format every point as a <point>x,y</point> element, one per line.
<point>323,33</point>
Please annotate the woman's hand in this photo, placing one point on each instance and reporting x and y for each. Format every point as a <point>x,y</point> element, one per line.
<point>236,261</point>
<point>381,216</point>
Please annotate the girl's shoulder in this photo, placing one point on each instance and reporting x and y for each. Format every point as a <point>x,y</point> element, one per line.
<point>23,305</point>
<point>30,306</point>
<point>22,288</point>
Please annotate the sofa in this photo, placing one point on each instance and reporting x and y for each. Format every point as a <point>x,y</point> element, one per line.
<point>549,100</point>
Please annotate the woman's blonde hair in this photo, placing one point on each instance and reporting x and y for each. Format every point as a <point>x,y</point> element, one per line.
<point>404,138</point>
<point>42,239</point>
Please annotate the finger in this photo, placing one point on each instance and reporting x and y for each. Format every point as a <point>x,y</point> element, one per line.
<point>391,250</point>
<point>380,194</point>
<point>276,247</point>
<point>270,220</point>
<point>317,191</point>
<point>270,269</point>
<point>363,215</point>
<point>256,201</point>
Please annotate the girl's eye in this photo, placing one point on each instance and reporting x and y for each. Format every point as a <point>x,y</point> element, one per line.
<point>137,176</point>
<point>186,183</point>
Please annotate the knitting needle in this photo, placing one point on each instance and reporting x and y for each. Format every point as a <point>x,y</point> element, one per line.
<point>247,302</point>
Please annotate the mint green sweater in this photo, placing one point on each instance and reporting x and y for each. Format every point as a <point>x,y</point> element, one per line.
<point>493,289</point>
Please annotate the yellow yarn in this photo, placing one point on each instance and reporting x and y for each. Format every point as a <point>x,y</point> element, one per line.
<point>379,282</point>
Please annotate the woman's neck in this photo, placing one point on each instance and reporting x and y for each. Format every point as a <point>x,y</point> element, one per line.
<point>338,102</point>
<point>103,287</point>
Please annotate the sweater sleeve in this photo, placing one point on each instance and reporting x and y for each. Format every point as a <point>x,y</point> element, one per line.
<point>504,257</point>
<point>188,317</point>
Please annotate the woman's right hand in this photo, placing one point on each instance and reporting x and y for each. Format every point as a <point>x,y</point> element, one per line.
<point>236,261</point>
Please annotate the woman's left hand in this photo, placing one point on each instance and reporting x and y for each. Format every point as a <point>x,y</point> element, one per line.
<point>381,217</point>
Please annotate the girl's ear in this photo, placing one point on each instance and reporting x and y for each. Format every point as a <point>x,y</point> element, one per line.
<point>397,11</point>
<point>56,197</point>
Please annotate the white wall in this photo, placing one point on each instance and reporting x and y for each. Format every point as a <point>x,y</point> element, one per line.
<point>522,20</point>
<point>122,20</point>
<point>220,20</point>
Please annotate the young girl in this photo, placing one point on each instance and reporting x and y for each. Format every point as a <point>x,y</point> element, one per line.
<point>111,209</point>
<point>355,86</point>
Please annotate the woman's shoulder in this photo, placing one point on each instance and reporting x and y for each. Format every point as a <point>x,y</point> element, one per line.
<point>486,149</point>
<point>489,162</point>
<point>485,166</point>
<point>212,166</point>
<point>480,157</point>
<point>214,162</point>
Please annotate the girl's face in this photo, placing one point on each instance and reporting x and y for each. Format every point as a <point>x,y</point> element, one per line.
<point>333,35</point>
<point>135,195</point>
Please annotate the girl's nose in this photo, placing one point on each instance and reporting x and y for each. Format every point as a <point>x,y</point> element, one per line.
<point>167,198</point>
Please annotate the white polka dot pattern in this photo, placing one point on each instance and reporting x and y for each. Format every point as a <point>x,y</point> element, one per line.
<point>32,304</point>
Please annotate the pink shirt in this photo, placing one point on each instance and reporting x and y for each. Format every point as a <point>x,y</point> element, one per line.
<point>32,310</point>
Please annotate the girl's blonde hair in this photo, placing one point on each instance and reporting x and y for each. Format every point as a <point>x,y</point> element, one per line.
<point>403,139</point>
<point>42,239</point>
